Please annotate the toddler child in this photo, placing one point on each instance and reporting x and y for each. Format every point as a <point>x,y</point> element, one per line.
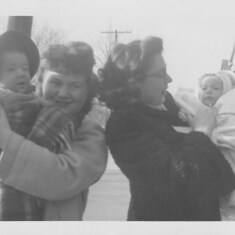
<point>19,61</point>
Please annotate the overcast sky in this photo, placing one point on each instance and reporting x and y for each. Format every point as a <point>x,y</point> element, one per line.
<point>197,34</point>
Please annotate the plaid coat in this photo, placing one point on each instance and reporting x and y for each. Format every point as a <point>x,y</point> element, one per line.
<point>62,180</point>
<point>46,126</point>
<point>21,113</point>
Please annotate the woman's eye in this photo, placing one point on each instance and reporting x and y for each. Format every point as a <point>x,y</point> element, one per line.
<point>77,86</point>
<point>54,83</point>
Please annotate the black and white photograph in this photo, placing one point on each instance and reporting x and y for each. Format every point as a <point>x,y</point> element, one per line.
<point>117,117</point>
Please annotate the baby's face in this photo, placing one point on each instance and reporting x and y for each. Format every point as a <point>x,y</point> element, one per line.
<point>14,72</point>
<point>211,89</point>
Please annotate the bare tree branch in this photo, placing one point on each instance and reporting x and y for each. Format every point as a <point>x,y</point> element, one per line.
<point>103,48</point>
<point>44,36</point>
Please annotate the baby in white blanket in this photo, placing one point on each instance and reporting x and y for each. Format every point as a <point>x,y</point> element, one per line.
<point>217,91</point>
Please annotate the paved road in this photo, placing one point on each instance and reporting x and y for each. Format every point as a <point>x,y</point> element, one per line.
<point>109,198</point>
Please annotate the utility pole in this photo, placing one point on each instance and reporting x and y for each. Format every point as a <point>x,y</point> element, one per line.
<point>228,64</point>
<point>116,33</point>
<point>20,23</point>
<point>233,52</point>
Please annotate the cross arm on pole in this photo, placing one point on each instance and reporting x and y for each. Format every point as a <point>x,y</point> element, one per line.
<point>116,33</point>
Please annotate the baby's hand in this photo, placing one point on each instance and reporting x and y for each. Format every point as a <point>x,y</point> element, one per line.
<point>185,116</point>
<point>204,120</point>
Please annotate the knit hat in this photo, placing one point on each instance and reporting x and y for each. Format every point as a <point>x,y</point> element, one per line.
<point>228,79</point>
<point>15,40</point>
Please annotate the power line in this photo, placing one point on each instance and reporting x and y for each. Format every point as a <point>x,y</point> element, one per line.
<point>116,33</point>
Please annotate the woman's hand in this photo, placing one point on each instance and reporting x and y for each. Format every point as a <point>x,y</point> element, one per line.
<point>13,102</point>
<point>204,120</point>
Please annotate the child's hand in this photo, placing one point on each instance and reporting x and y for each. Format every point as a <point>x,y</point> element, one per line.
<point>204,120</point>
<point>185,116</point>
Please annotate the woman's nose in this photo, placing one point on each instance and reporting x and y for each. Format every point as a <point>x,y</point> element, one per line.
<point>168,78</point>
<point>63,91</point>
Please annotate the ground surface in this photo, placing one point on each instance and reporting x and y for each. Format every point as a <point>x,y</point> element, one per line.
<point>109,197</point>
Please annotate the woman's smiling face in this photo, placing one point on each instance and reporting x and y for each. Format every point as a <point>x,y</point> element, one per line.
<point>68,91</point>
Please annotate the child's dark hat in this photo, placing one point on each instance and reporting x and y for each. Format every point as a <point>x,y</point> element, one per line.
<point>15,40</point>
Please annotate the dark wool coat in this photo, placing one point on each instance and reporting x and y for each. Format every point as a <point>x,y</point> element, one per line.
<point>173,176</point>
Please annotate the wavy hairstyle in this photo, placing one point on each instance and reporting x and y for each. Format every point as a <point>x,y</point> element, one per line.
<point>71,58</point>
<point>126,66</point>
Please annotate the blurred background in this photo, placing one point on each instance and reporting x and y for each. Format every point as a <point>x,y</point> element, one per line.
<point>198,35</point>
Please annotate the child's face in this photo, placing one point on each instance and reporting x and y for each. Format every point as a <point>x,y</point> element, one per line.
<point>68,91</point>
<point>14,72</point>
<point>211,89</point>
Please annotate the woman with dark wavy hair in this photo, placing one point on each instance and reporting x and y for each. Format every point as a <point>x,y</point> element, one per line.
<point>173,175</point>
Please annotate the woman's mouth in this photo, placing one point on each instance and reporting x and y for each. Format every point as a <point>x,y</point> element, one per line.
<point>22,86</point>
<point>62,104</point>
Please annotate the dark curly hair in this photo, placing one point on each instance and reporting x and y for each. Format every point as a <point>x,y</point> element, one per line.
<point>71,58</point>
<point>125,67</point>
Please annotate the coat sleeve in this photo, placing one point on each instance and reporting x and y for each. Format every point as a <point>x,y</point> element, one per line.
<point>157,155</point>
<point>223,134</point>
<point>35,170</point>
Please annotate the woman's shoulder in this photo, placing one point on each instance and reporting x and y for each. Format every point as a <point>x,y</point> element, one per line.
<point>134,119</point>
<point>88,129</point>
<point>124,117</point>
<point>99,113</point>
<point>89,124</point>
